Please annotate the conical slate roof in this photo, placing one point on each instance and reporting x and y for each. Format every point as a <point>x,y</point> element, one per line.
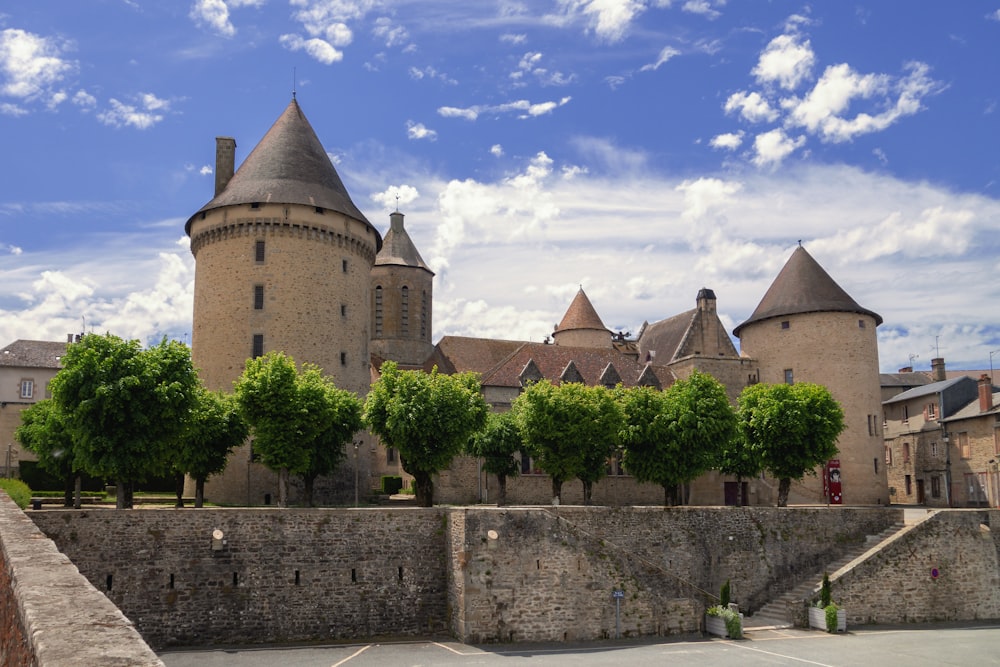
<point>803,286</point>
<point>581,315</point>
<point>397,247</point>
<point>288,166</point>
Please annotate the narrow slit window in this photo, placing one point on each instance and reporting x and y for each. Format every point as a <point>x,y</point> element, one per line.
<point>258,297</point>
<point>258,345</point>
<point>258,251</point>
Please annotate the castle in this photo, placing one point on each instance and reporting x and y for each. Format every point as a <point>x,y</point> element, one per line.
<point>286,261</point>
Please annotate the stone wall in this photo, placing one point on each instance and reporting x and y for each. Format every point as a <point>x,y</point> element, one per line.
<point>547,574</point>
<point>52,616</point>
<point>898,584</point>
<point>281,575</point>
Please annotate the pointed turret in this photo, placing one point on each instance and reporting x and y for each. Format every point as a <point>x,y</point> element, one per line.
<point>803,286</point>
<point>581,326</point>
<point>397,247</point>
<point>288,166</point>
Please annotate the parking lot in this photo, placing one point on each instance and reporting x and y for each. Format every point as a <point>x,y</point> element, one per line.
<point>970,644</point>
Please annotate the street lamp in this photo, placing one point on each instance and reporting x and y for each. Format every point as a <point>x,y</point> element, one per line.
<point>356,444</point>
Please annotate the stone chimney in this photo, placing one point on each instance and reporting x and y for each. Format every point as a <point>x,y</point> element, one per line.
<point>985,393</point>
<point>937,370</point>
<point>706,300</point>
<point>396,221</point>
<point>906,369</point>
<point>225,162</point>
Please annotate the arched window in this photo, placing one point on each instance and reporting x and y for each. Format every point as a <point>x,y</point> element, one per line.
<point>378,311</point>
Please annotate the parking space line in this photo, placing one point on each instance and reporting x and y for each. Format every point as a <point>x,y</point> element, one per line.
<point>352,656</point>
<point>780,655</point>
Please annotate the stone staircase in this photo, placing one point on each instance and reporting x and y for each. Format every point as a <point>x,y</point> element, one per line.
<point>778,613</point>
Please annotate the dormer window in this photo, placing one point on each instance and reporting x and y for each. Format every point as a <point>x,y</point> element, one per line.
<point>255,205</point>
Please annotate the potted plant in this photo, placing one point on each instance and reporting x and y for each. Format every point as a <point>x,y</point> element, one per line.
<point>825,614</point>
<point>724,619</point>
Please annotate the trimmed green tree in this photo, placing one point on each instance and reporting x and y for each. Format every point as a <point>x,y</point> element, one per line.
<point>428,417</point>
<point>43,432</point>
<point>793,426</point>
<point>674,436</point>
<point>339,413</point>
<point>213,429</point>
<point>124,406</point>
<point>570,430</point>
<point>498,444</point>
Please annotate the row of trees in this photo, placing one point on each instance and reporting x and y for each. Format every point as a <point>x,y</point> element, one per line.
<point>125,413</point>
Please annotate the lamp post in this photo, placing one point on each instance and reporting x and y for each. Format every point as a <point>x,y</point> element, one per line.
<point>356,443</point>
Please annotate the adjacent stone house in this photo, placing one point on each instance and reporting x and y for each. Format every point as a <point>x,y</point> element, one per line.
<point>973,432</point>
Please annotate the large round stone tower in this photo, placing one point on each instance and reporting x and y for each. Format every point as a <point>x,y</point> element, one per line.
<point>283,259</point>
<point>808,329</point>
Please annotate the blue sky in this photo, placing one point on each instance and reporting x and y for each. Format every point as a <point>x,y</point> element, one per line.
<point>641,149</point>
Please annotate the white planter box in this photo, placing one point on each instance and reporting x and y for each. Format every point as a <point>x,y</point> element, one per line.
<point>817,619</point>
<point>716,625</point>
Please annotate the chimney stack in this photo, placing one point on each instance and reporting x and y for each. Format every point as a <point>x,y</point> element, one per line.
<point>937,370</point>
<point>225,162</point>
<point>906,369</point>
<point>985,393</point>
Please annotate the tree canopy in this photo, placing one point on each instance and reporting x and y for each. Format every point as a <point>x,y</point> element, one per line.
<point>43,432</point>
<point>124,406</point>
<point>428,417</point>
<point>212,430</point>
<point>672,437</point>
<point>570,430</point>
<point>497,444</point>
<point>299,420</point>
<point>793,427</point>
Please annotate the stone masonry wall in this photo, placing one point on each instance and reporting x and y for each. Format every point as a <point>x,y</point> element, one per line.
<point>281,576</point>
<point>50,615</point>
<point>546,574</point>
<point>897,584</point>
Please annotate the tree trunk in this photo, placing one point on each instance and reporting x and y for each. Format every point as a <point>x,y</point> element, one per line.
<point>199,492</point>
<point>283,487</point>
<point>669,495</point>
<point>68,490</point>
<point>423,485</point>
<point>588,492</point>
<point>77,492</point>
<point>501,490</point>
<point>179,489</point>
<point>556,491</point>
<point>123,494</point>
<point>783,486</point>
<point>308,482</point>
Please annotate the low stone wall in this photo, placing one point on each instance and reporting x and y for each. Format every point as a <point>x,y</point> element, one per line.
<point>50,615</point>
<point>547,574</point>
<point>279,575</point>
<point>945,569</point>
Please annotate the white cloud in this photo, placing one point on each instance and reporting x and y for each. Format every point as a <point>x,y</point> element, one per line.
<point>206,170</point>
<point>523,109</point>
<point>786,61</point>
<point>702,7</point>
<point>729,140</point>
<point>772,147</point>
<point>430,73</point>
<point>84,99</point>
<point>822,111</point>
<point>666,53</point>
<point>608,19</point>
<point>391,34</point>
<point>419,131</point>
<point>32,68</point>
<point>214,14</point>
<point>513,39</point>
<point>496,150</point>
<point>395,196</point>
<point>144,114</point>
<point>319,49</point>
<point>751,106</point>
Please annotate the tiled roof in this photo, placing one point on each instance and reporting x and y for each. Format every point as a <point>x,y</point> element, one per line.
<point>32,354</point>
<point>288,166</point>
<point>397,247</point>
<point>664,337</point>
<point>581,315</point>
<point>803,286</point>
<point>459,354</point>
<point>926,390</point>
<point>972,409</point>
<point>553,361</point>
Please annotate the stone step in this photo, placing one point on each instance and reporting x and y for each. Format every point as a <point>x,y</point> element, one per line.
<point>775,612</point>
